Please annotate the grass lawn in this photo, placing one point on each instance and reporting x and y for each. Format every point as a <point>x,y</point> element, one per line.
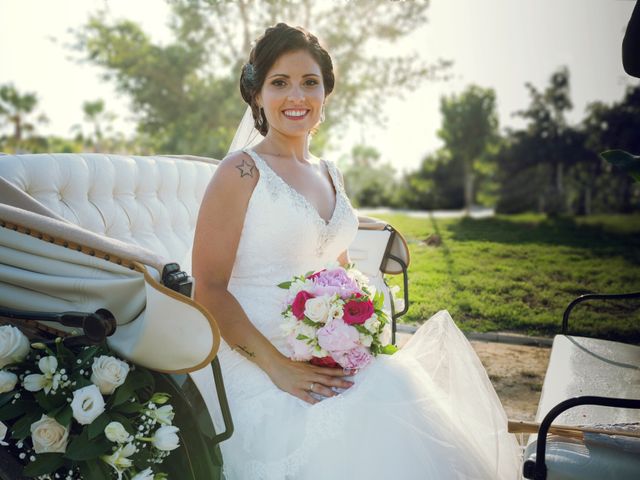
<point>518,273</point>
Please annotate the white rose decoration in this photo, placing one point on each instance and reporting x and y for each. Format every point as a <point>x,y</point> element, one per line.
<point>3,433</point>
<point>49,436</point>
<point>146,474</point>
<point>87,404</point>
<point>108,373</point>
<point>372,324</point>
<point>317,309</point>
<point>116,433</point>
<point>166,438</point>
<point>14,346</point>
<point>8,381</point>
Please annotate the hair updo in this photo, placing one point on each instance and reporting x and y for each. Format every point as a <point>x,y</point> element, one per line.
<point>268,48</point>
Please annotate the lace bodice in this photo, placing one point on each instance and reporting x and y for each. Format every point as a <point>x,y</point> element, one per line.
<point>283,234</point>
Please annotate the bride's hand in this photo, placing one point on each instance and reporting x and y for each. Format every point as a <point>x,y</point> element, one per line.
<point>301,378</point>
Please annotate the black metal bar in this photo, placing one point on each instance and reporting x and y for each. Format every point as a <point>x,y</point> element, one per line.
<point>592,296</point>
<point>224,403</point>
<point>97,326</point>
<point>537,470</point>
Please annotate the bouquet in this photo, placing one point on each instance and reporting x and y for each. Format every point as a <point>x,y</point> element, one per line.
<point>80,414</point>
<point>334,318</point>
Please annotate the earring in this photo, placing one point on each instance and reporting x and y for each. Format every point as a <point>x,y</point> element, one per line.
<point>322,113</point>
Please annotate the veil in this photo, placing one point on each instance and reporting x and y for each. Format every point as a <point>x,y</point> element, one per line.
<point>246,134</point>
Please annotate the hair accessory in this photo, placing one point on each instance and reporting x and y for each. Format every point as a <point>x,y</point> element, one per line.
<point>250,72</point>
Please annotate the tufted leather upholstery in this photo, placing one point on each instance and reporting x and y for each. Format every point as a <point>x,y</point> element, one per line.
<point>151,201</point>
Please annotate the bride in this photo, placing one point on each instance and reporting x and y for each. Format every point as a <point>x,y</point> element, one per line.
<point>274,211</point>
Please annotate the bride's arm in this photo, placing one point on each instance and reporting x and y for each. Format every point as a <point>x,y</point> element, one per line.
<point>217,235</point>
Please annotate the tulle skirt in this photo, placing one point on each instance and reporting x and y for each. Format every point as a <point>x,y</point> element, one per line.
<point>427,412</point>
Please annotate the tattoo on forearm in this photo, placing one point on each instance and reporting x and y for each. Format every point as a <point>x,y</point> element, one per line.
<point>247,352</point>
<point>246,168</point>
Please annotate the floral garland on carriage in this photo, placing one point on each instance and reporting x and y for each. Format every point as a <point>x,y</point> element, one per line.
<point>81,413</point>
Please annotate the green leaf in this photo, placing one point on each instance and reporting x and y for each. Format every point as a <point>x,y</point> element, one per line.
<point>389,349</point>
<point>6,398</point>
<point>625,161</point>
<point>129,407</point>
<point>302,337</point>
<point>22,428</point>
<point>64,416</point>
<point>82,448</point>
<point>97,426</point>
<point>95,470</point>
<point>49,402</point>
<point>44,463</point>
<point>88,354</point>
<point>13,410</point>
<point>285,285</point>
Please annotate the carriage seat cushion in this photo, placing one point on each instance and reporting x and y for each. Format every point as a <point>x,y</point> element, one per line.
<point>150,201</point>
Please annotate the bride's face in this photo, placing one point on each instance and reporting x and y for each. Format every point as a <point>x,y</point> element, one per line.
<point>292,94</point>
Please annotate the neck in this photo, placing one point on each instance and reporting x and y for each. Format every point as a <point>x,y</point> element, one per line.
<point>296,148</point>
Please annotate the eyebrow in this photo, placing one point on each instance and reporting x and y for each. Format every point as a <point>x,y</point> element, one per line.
<point>287,76</point>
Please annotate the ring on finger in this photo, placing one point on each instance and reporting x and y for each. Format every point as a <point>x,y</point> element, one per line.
<point>311,387</point>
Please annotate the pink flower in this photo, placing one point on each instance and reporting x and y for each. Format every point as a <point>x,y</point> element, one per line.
<point>337,336</point>
<point>313,276</point>
<point>300,350</point>
<point>330,282</point>
<point>297,307</point>
<point>327,362</point>
<point>355,358</point>
<point>356,313</point>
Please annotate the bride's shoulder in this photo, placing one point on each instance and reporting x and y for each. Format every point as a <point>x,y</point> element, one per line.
<point>235,177</point>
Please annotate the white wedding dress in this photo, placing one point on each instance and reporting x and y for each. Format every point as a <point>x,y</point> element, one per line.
<point>427,412</point>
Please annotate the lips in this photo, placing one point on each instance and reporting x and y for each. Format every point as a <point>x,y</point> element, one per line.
<point>295,114</point>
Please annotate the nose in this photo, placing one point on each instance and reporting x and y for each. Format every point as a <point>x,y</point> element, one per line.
<point>295,94</point>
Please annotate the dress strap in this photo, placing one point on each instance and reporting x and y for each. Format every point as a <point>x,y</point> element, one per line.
<point>256,159</point>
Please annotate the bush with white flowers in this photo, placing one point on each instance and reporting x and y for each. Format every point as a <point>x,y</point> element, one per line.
<point>81,413</point>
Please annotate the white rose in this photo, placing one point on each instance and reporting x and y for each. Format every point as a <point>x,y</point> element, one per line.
<point>116,433</point>
<point>8,381</point>
<point>119,459</point>
<point>372,324</point>
<point>366,340</point>
<point>317,309</point>
<point>3,433</point>
<point>166,438</point>
<point>146,474</point>
<point>87,404</point>
<point>108,373</point>
<point>14,346</point>
<point>49,436</point>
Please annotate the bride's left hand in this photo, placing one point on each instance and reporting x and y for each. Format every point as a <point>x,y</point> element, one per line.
<point>301,379</point>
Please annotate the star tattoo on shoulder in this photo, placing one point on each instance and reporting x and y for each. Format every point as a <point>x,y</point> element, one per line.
<point>246,168</point>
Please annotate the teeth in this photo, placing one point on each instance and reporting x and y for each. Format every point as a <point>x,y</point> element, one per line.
<point>295,113</point>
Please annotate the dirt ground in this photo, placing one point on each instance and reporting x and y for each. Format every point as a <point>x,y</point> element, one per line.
<point>517,373</point>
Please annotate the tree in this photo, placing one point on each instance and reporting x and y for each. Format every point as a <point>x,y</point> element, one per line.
<point>368,182</point>
<point>15,110</point>
<point>186,94</point>
<point>469,127</point>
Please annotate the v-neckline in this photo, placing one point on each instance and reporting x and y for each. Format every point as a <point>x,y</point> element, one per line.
<point>301,196</point>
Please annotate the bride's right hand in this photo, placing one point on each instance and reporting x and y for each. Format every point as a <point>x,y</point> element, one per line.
<point>301,378</point>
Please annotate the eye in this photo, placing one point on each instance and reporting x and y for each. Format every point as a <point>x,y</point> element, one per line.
<point>278,83</point>
<point>311,82</point>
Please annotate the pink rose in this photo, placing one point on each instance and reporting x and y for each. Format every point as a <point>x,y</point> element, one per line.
<point>330,282</point>
<point>357,312</point>
<point>327,362</point>
<point>299,302</point>
<point>337,336</point>
<point>300,350</point>
<point>355,358</point>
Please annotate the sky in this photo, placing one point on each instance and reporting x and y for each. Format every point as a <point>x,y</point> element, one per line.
<point>500,44</point>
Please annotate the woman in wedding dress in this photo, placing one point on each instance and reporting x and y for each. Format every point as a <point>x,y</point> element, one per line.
<point>274,211</point>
